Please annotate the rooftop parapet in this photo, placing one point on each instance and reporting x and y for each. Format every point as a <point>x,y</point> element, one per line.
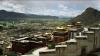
<point>81,37</point>
<point>48,33</point>
<point>89,32</point>
<point>62,43</point>
<point>94,28</point>
<point>60,28</point>
<point>71,40</point>
<point>27,41</point>
<point>24,41</point>
<point>69,25</point>
<point>85,29</point>
<point>73,29</point>
<point>47,50</point>
<point>61,46</point>
<point>22,38</point>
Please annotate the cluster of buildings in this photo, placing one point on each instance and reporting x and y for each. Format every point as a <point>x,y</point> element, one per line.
<point>72,40</point>
<point>22,44</point>
<point>77,40</point>
<point>25,44</point>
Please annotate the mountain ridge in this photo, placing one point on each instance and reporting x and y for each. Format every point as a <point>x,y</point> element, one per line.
<point>90,16</point>
<point>9,15</point>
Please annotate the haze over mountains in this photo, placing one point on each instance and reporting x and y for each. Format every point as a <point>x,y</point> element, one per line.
<point>90,16</point>
<point>5,15</point>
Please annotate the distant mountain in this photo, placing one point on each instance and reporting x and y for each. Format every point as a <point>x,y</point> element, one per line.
<point>90,16</point>
<point>6,15</point>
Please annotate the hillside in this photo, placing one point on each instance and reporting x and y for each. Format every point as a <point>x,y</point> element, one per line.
<point>6,15</point>
<point>90,16</point>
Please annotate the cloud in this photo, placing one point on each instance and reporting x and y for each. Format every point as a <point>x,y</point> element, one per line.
<point>49,7</point>
<point>7,5</point>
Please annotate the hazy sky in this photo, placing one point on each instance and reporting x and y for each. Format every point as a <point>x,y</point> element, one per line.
<point>49,7</point>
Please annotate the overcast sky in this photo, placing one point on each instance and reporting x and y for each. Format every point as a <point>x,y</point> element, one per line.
<point>49,7</point>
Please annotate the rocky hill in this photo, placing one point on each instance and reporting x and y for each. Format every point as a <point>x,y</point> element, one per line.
<point>90,16</point>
